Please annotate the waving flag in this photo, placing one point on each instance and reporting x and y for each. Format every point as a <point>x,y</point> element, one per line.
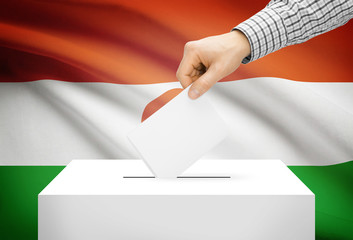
<point>77,76</point>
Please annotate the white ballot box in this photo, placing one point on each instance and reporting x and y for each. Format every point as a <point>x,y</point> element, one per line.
<point>213,199</point>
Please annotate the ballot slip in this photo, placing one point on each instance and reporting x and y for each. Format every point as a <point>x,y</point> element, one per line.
<point>178,134</point>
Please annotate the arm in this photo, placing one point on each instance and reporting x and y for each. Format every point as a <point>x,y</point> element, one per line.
<point>284,23</point>
<point>279,24</point>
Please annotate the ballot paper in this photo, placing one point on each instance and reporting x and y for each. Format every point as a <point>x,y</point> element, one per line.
<point>178,134</point>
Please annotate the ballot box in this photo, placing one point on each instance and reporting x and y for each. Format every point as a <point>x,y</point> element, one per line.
<point>213,199</point>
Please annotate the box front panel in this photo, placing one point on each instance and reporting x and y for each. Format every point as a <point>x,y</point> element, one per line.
<point>176,217</point>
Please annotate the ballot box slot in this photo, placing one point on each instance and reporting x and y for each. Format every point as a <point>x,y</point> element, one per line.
<point>179,177</point>
<point>139,177</point>
<point>203,177</point>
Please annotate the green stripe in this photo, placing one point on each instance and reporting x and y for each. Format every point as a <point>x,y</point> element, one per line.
<point>19,187</point>
<point>332,185</point>
<point>333,189</point>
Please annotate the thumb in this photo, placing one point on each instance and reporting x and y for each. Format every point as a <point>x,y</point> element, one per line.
<point>204,83</point>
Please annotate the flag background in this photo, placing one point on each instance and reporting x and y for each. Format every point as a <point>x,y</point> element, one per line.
<point>138,42</point>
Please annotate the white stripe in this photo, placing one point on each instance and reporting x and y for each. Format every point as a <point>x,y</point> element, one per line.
<point>50,122</point>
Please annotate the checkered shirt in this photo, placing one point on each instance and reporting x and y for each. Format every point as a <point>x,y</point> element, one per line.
<point>286,22</point>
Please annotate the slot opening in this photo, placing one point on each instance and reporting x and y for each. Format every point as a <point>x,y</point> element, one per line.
<point>179,177</point>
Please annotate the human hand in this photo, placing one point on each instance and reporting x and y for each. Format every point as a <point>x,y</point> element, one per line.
<point>208,60</point>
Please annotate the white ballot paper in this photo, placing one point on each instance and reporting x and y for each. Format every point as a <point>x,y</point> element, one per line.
<point>178,134</point>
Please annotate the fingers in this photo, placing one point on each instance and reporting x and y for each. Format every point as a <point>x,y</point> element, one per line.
<point>193,71</point>
<point>204,83</point>
<point>184,73</point>
<point>186,69</point>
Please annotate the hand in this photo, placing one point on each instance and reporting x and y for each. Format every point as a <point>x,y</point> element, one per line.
<point>208,60</point>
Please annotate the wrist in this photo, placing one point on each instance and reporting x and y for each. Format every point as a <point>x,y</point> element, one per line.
<point>241,43</point>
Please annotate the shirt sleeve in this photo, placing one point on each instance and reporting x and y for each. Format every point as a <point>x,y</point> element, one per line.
<point>286,22</point>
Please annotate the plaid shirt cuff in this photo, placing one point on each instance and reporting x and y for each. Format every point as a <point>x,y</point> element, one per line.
<point>265,31</point>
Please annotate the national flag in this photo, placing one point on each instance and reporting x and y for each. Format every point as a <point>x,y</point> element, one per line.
<point>77,76</point>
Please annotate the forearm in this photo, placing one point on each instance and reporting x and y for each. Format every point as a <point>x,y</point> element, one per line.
<point>284,23</point>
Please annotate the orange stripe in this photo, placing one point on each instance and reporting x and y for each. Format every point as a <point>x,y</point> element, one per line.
<point>159,102</point>
<point>136,42</point>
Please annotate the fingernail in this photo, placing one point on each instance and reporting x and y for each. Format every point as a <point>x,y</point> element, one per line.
<point>194,93</point>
